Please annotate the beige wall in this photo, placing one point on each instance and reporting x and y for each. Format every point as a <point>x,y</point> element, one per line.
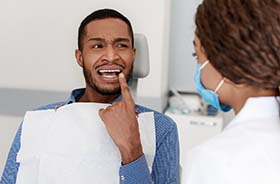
<point>38,39</point>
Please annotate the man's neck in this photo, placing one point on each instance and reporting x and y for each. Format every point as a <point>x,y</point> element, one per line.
<point>91,95</point>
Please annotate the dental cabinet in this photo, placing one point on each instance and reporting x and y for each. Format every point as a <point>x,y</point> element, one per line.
<point>194,129</point>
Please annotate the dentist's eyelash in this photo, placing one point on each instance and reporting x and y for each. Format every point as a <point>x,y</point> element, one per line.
<point>194,54</point>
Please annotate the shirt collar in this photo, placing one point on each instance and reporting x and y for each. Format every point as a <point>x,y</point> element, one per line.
<point>76,94</point>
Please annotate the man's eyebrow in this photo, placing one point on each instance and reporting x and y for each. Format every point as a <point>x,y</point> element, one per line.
<point>103,40</point>
<point>96,39</point>
<point>121,39</point>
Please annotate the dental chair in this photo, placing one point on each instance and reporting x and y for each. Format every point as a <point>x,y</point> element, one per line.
<point>141,67</point>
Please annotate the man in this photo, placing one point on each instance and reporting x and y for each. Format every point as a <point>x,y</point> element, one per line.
<point>106,53</point>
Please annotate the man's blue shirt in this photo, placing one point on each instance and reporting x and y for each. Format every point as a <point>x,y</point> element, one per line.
<point>165,169</point>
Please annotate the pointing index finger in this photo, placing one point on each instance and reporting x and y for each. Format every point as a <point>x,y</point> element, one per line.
<point>125,90</point>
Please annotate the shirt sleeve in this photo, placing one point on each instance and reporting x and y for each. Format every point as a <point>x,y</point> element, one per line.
<point>11,168</point>
<point>136,172</point>
<point>166,164</point>
<point>165,169</point>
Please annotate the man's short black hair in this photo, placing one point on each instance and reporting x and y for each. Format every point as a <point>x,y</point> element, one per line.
<point>102,14</point>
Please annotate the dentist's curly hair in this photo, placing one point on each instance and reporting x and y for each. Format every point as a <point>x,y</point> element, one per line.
<point>241,38</point>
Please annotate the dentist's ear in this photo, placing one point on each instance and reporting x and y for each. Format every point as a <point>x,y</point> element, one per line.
<point>79,57</point>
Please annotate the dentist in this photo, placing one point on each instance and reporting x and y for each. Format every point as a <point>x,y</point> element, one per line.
<point>237,45</point>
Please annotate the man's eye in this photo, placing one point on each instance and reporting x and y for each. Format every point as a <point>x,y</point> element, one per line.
<point>121,45</point>
<point>97,46</point>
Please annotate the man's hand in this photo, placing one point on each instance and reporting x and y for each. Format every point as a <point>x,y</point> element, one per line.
<point>122,125</point>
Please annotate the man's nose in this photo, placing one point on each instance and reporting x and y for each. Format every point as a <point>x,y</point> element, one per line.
<point>111,53</point>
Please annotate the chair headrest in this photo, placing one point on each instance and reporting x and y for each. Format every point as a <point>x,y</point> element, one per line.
<point>141,67</point>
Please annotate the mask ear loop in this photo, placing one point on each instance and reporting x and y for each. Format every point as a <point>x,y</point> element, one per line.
<point>219,85</point>
<point>204,64</point>
<point>221,82</point>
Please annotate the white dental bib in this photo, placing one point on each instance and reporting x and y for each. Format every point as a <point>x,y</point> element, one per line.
<point>70,145</point>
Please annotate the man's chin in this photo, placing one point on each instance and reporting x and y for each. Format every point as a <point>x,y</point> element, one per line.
<point>108,92</point>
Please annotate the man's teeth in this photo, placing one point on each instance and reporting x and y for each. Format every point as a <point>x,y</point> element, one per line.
<point>109,76</point>
<point>109,71</point>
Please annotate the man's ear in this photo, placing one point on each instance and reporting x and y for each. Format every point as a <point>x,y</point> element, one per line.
<point>134,54</point>
<point>79,57</point>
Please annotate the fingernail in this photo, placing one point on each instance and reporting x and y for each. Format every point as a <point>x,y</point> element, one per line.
<point>121,75</point>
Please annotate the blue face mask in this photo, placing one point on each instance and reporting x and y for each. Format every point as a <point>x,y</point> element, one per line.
<point>209,96</point>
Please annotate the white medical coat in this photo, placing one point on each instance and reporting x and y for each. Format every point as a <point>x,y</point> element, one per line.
<point>246,152</point>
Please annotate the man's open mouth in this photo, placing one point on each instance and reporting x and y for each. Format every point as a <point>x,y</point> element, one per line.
<point>112,73</point>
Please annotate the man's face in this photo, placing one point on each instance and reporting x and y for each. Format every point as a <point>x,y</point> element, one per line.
<point>107,51</point>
